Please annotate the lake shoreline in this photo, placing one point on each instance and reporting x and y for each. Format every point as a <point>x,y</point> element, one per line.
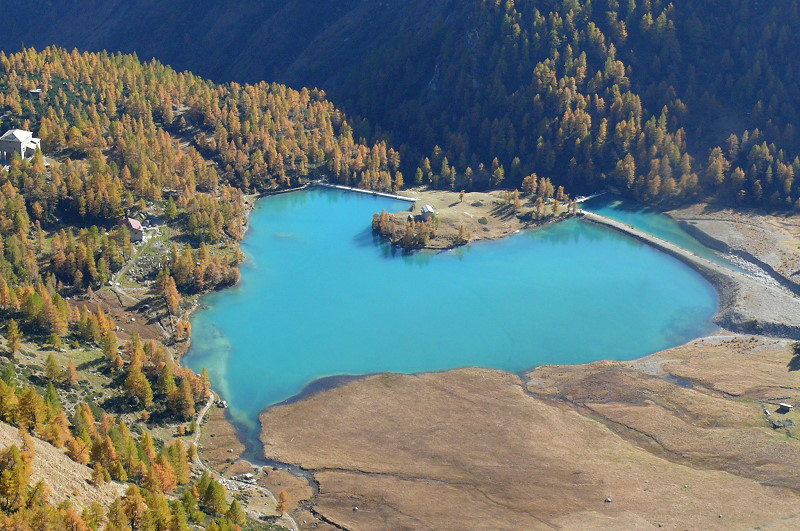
<point>748,305</point>
<point>556,441</point>
<point>728,292</point>
<point>546,252</point>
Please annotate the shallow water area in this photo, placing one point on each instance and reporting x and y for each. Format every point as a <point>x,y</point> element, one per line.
<point>653,222</point>
<point>321,296</point>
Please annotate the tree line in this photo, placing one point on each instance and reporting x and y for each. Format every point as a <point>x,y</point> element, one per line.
<point>627,93</point>
<point>26,505</point>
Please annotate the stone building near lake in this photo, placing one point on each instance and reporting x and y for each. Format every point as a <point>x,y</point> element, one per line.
<point>18,141</point>
<point>427,212</point>
<point>137,231</point>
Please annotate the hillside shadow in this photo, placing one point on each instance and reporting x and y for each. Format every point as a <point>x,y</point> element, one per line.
<point>794,363</point>
<point>91,364</point>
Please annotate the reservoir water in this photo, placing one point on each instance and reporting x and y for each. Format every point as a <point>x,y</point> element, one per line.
<point>321,296</point>
<point>652,222</point>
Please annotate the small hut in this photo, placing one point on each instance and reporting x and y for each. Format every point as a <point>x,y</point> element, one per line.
<point>427,212</point>
<point>133,225</point>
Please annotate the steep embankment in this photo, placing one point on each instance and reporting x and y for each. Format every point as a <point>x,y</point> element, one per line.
<point>67,479</point>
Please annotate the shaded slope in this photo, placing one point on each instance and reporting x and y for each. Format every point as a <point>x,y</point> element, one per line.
<point>587,93</point>
<point>303,42</point>
<point>67,479</point>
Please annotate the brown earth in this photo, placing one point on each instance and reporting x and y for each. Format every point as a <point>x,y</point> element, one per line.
<point>67,479</point>
<point>676,439</point>
<point>681,438</point>
<point>221,449</point>
<point>219,443</point>
<point>128,317</point>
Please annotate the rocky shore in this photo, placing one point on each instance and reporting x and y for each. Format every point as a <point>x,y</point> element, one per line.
<point>752,300</point>
<point>767,300</point>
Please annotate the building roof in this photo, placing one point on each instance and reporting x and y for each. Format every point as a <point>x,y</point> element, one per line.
<point>133,224</point>
<point>20,135</point>
<point>426,208</point>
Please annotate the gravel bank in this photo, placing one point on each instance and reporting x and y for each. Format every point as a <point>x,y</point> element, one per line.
<point>767,247</point>
<point>751,301</point>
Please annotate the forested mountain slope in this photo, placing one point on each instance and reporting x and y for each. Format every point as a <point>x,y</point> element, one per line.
<point>303,42</point>
<point>633,93</point>
<point>126,139</point>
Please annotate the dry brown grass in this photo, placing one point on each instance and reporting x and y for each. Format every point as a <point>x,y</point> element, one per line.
<point>452,212</point>
<point>475,449</point>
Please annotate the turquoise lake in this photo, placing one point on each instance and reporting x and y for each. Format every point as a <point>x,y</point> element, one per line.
<point>652,222</point>
<point>321,296</point>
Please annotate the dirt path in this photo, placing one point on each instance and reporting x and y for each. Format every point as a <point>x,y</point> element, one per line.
<point>285,520</point>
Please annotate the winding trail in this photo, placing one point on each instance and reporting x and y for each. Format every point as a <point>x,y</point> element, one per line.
<point>285,520</point>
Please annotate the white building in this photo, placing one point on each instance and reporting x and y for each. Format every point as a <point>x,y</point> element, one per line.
<point>427,212</point>
<point>18,141</point>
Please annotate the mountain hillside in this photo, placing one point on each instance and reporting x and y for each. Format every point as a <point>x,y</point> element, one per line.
<point>302,42</point>
<point>131,141</point>
<point>67,479</point>
<point>668,101</point>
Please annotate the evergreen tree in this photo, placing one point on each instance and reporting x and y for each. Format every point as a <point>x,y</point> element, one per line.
<point>13,336</point>
<point>183,400</point>
<point>166,381</point>
<point>53,369</point>
<point>9,373</point>
<point>235,513</point>
<point>14,475</point>
<point>138,387</point>
<point>213,501</point>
